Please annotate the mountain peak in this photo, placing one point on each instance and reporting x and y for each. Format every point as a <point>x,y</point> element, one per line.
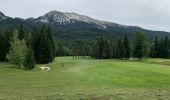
<point>2,13</point>
<point>69,18</point>
<point>2,16</point>
<point>54,17</point>
<point>53,12</point>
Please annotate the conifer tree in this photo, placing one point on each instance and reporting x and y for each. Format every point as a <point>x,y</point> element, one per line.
<point>51,44</point>
<point>35,43</point>
<point>119,49</point>
<point>139,45</point>
<point>126,47</point>
<point>5,43</point>
<point>166,49</point>
<point>101,48</point>
<point>29,62</point>
<point>17,50</point>
<point>155,48</point>
<point>21,32</point>
<point>46,53</point>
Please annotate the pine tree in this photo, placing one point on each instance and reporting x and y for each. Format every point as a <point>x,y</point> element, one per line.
<point>51,44</point>
<point>126,47</point>
<point>29,62</point>
<point>101,48</point>
<point>35,43</point>
<point>4,43</point>
<point>139,45</point>
<point>161,48</point>
<point>156,48</point>
<point>119,47</point>
<point>21,32</point>
<point>17,50</point>
<point>166,49</point>
<point>106,50</point>
<point>46,53</point>
<point>114,50</point>
<point>95,50</point>
<point>152,52</point>
<point>122,49</point>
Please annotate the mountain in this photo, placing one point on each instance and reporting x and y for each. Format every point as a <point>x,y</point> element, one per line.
<point>71,18</point>
<point>2,16</point>
<point>73,28</point>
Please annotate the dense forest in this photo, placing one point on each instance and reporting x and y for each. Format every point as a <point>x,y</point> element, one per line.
<point>25,49</point>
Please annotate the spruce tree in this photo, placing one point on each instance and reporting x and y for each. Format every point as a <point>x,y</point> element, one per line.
<point>5,43</point>
<point>106,50</point>
<point>35,42</point>
<point>126,47</point>
<point>95,50</point>
<point>122,49</point>
<point>119,47</point>
<point>21,32</point>
<point>51,44</point>
<point>139,45</point>
<point>161,48</point>
<point>46,52</point>
<point>101,48</point>
<point>166,49</point>
<point>156,48</point>
<point>29,62</point>
<point>17,51</point>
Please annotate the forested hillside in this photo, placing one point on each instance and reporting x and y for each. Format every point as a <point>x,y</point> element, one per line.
<point>70,30</point>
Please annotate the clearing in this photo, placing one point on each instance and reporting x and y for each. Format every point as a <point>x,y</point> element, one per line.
<point>88,78</point>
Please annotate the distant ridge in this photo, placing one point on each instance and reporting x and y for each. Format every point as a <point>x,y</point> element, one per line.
<point>69,28</point>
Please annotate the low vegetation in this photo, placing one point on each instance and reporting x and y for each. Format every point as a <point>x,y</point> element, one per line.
<point>88,78</point>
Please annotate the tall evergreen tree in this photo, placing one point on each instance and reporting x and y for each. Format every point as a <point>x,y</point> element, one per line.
<point>155,48</point>
<point>51,44</point>
<point>46,46</point>
<point>166,47</point>
<point>126,47</point>
<point>122,49</point>
<point>29,62</point>
<point>17,52</point>
<point>107,52</point>
<point>161,48</point>
<point>4,43</point>
<point>139,45</point>
<point>101,47</point>
<point>119,49</point>
<point>35,42</point>
<point>95,50</point>
<point>21,32</point>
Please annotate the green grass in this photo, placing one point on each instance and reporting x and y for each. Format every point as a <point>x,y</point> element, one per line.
<point>88,78</point>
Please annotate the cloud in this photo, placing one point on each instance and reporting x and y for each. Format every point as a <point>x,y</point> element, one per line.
<point>149,14</point>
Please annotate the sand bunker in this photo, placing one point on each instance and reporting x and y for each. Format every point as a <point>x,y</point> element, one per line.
<point>44,68</point>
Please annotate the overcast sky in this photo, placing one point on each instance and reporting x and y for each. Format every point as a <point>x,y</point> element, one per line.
<point>149,14</point>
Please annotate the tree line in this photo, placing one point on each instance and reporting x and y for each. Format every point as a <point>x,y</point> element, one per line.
<point>122,48</point>
<point>25,49</point>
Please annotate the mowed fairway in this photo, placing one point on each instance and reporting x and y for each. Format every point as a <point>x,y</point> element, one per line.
<point>91,79</point>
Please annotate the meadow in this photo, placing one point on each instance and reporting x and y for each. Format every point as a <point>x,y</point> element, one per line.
<point>88,79</point>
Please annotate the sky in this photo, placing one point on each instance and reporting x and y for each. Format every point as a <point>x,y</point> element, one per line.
<point>148,14</point>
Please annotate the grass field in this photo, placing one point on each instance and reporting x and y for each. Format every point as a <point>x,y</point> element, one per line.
<point>88,79</point>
